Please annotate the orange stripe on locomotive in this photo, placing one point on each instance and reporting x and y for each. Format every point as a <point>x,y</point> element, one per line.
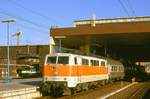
<point>50,70</point>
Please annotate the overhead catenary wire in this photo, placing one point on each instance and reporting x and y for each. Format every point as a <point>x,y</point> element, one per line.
<point>2,16</point>
<point>27,26</point>
<point>33,28</point>
<point>39,30</point>
<point>131,7</point>
<point>2,11</point>
<point>36,32</point>
<point>124,8</point>
<point>32,11</point>
<point>27,9</point>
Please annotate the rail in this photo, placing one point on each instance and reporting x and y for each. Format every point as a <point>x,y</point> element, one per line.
<point>140,92</point>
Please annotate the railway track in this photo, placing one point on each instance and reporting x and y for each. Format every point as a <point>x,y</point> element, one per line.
<point>140,92</point>
<point>94,93</point>
<point>136,91</point>
<point>128,91</point>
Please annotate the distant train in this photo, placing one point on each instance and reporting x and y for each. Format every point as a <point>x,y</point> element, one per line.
<point>135,71</point>
<point>28,72</point>
<point>66,73</point>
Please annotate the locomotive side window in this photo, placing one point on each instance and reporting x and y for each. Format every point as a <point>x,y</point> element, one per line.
<point>102,63</point>
<point>120,69</point>
<point>116,68</point>
<point>111,68</point>
<point>75,61</point>
<point>85,62</point>
<point>94,63</point>
<point>63,60</point>
<point>51,60</point>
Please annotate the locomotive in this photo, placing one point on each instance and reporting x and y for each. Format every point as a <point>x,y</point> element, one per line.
<point>66,73</point>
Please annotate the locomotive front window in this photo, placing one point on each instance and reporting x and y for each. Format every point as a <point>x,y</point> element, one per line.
<point>51,60</point>
<point>63,60</point>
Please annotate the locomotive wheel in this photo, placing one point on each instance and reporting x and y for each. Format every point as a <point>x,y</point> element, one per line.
<point>56,91</point>
<point>85,87</point>
<point>69,91</point>
<point>73,91</point>
<point>66,91</point>
<point>45,89</point>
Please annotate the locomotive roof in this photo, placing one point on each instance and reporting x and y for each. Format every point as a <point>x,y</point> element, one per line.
<point>112,61</point>
<point>109,60</point>
<point>93,56</point>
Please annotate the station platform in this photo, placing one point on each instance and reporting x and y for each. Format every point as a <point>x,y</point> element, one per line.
<point>20,88</point>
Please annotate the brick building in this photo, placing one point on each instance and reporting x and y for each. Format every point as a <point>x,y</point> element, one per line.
<point>22,55</point>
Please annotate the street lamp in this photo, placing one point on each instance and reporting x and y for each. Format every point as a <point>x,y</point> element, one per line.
<point>8,58</point>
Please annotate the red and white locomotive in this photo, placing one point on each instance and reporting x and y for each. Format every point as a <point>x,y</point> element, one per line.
<point>65,71</point>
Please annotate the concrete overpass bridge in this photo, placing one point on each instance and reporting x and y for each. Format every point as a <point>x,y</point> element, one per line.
<point>126,38</point>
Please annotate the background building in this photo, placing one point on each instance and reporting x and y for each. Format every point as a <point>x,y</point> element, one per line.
<point>24,55</point>
<point>118,38</point>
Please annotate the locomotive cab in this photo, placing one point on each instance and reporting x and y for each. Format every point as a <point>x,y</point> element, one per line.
<point>58,69</point>
<point>54,64</point>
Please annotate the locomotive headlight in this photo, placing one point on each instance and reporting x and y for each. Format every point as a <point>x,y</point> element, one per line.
<point>55,72</point>
<point>65,78</point>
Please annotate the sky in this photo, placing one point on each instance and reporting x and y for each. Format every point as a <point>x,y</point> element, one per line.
<point>34,18</point>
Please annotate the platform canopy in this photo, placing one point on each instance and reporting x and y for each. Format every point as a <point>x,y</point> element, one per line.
<point>121,34</point>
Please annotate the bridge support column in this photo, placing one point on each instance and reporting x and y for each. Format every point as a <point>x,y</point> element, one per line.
<point>52,43</point>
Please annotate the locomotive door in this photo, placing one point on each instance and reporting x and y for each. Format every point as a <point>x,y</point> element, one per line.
<point>55,71</point>
<point>79,73</point>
